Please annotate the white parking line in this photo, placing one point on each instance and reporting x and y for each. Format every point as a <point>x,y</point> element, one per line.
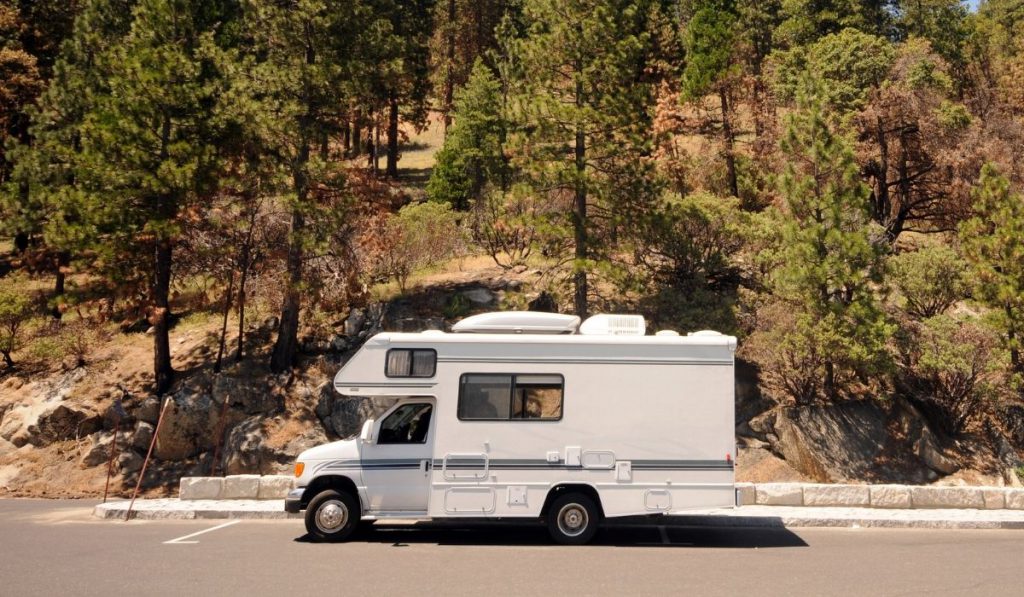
<point>181,540</point>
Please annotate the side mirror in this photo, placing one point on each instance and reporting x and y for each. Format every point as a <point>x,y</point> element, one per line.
<point>366,435</point>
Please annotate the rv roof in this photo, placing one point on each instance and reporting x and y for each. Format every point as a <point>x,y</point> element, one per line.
<point>506,339</point>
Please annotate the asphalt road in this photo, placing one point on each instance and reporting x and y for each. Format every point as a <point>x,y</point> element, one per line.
<point>55,548</point>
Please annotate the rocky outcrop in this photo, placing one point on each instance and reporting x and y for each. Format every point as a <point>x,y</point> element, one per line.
<point>46,418</point>
<point>188,427</point>
<point>343,416</point>
<point>852,441</point>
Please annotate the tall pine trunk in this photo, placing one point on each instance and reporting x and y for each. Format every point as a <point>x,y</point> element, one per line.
<point>160,317</point>
<point>449,77</point>
<point>166,210</point>
<point>63,260</point>
<point>729,142</point>
<point>580,214</point>
<point>392,161</point>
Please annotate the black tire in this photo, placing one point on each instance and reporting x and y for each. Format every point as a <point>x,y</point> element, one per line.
<point>332,515</point>
<point>573,519</point>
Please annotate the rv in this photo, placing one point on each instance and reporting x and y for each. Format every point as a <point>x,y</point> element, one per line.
<point>523,415</point>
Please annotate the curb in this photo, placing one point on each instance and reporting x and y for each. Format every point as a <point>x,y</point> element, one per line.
<point>743,517</point>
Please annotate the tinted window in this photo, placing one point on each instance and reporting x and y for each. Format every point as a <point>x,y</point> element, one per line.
<point>499,397</point>
<point>409,362</point>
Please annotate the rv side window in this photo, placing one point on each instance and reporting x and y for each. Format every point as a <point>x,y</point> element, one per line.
<point>408,362</point>
<point>498,397</point>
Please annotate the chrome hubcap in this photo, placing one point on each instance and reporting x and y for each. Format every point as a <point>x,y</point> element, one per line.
<point>331,516</point>
<point>572,520</point>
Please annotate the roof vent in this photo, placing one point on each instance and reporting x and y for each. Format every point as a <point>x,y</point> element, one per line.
<point>614,325</point>
<point>667,333</point>
<point>705,333</point>
<point>518,322</point>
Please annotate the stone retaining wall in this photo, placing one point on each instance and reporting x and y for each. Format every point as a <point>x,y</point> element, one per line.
<point>275,487</point>
<point>236,487</point>
<point>879,496</point>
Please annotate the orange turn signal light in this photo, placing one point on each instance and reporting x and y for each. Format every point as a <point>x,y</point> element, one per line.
<point>299,467</point>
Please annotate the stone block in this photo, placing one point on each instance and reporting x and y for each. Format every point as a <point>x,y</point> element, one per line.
<point>275,487</point>
<point>200,488</point>
<point>779,494</point>
<point>241,487</point>
<point>746,494</point>
<point>890,496</point>
<point>837,495</point>
<point>1015,499</point>
<point>994,498</point>
<point>947,497</point>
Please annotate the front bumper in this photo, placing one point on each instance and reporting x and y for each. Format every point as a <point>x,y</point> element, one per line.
<point>293,501</point>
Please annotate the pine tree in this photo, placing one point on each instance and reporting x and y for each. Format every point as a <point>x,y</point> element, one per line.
<point>712,66</point>
<point>148,146</point>
<point>582,112</point>
<point>993,244</point>
<point>473,155</point>
<point>829,262</point>
<point>308,60</point>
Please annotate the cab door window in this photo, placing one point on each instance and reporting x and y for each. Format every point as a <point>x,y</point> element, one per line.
<point>408,424</point>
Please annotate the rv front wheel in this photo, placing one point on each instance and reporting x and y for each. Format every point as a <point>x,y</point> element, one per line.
<point>332,515</point>
<point>573,519</point>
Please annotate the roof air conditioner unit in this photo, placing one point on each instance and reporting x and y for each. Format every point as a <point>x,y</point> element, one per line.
<point>518,322</point>
<point>614,325</point>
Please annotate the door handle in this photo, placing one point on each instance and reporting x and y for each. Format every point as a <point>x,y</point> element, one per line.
<point>424,466</point>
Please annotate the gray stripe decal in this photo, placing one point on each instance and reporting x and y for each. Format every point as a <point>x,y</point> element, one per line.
<point>601,361</point>
<point>523,464</point>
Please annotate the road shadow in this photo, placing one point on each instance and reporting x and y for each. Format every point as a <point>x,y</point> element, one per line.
<point>615,535</point>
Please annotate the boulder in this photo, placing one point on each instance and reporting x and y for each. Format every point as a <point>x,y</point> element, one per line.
<point>544,302</point>
<point>129,462</point>
<point>59,422</point>
<point>354,322</point>
<point>143,436</point>
<point>244,448</point>
<point>480,296</point>
<point>343,416</point>
<point>100,446</point>
<point>148,410</point>
<point>190,422</point>
<point>842,442</point>
<point>252,393</point>
<point>928,450</point>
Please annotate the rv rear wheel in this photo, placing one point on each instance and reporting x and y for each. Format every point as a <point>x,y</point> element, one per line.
<point>332,515</point>
<point>573,519</point>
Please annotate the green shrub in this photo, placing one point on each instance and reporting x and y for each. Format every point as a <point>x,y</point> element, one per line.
<point>930,280</point>
<point>15,311</point>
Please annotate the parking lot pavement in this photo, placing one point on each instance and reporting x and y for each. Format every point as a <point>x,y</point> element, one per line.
<point>56,547</point>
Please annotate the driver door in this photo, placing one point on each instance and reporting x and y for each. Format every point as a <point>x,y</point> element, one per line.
<point>396,467</point>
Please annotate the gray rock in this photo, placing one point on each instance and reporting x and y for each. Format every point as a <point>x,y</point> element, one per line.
<point>544,302</point>
<point>143,436</point>
<point>188,428</point>
<point>149,410</point>
<point>61,422</point>
<point>928,450</point>
<point>354,322</point>
<point>129,462</point>
<point>100,446</point>
<point>480,296</point>
<point>253,394</point>
<point>343,416</point>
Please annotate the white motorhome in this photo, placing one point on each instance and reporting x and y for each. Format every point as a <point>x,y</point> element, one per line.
<point>529,415</point>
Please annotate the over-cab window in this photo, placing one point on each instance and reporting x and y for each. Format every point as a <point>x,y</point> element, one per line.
<point>411,362</point>
<point>504,397</point>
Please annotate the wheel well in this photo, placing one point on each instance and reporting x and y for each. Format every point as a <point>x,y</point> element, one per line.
<point>321,483</point>
<point>558,490</point>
